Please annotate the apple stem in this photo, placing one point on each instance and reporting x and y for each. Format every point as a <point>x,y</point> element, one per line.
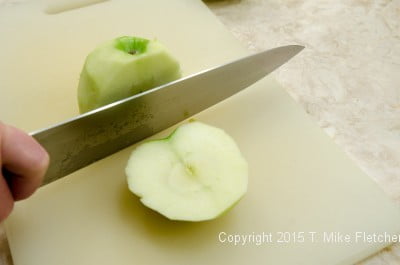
<point>132,45</point>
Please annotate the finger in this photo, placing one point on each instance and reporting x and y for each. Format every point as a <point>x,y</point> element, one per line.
<point>25,159</point>
<point>6,199</point>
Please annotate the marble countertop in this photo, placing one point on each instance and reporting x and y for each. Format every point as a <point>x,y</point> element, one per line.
<point>347,78</point>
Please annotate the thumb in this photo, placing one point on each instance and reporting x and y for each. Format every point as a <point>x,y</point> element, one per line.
<point>24,159</point>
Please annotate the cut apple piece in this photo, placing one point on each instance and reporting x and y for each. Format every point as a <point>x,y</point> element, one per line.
<point>195,174</point>
<point>124,67</point>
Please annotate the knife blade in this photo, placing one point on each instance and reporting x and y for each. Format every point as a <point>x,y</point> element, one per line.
<point>85,139</point>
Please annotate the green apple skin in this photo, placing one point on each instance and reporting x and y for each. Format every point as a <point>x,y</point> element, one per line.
<point>196,174</point>
<point>123,67</point>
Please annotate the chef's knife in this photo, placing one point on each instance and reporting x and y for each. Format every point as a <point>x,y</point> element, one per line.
<point>80,141</point>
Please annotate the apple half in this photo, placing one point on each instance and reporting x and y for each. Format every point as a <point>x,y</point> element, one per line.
<point>123,67</point>
<point>195,174</point>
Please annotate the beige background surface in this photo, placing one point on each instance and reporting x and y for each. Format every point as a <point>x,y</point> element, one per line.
<point>347,78</point>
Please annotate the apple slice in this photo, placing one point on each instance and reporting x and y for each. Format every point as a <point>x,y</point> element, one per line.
<point>124,67</point>
<point>195,174</point>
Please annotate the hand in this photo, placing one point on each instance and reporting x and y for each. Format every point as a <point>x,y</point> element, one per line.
<point>23,163</point>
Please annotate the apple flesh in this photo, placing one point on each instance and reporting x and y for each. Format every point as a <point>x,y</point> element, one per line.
<point>195,174</point>
<point>123,67</point>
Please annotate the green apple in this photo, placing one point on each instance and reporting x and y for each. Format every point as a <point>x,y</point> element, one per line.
<point>195,174</point>
<point>124,67</point>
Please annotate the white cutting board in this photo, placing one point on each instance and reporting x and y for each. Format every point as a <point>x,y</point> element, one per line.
<point>300,181</point>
